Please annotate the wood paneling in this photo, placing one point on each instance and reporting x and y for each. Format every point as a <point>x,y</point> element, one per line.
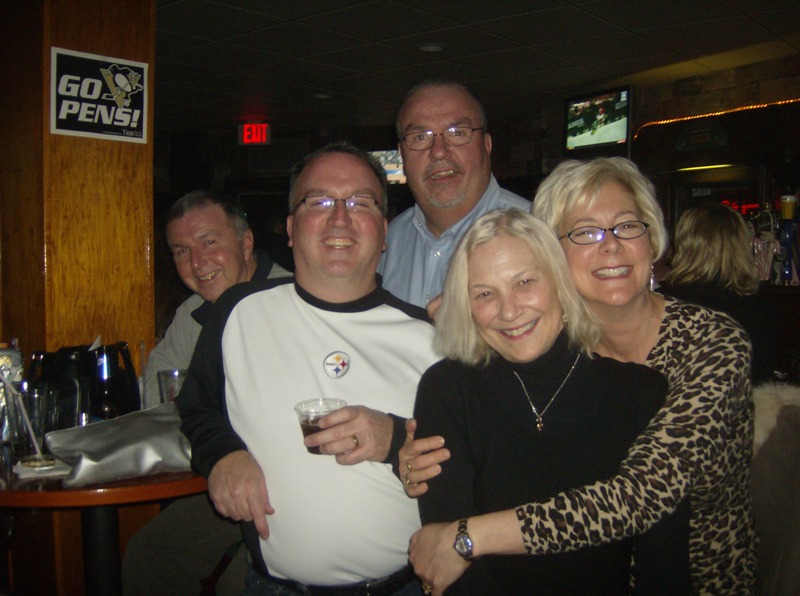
<point>21,174</point>
<point>98,198</point>
<point>76,228</point>
<point>76,212</point>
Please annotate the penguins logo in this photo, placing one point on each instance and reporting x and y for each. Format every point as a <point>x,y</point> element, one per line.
<point>122,82</point>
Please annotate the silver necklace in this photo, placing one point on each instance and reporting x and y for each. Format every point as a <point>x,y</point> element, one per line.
<point>539,421</point>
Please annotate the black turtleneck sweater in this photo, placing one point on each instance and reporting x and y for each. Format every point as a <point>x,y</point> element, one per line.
<point>499,458</point>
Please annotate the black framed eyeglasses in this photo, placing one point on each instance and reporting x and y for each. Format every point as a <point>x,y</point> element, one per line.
<point>453,136</point>
<point>627,230</point>
<point>353,204</point>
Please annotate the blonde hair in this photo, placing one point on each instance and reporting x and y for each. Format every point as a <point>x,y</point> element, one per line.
<point>457,335</point>
<point>573,184</point>
<point>712,247</point>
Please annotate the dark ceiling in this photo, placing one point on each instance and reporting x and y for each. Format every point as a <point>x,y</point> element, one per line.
<point>327,63</point>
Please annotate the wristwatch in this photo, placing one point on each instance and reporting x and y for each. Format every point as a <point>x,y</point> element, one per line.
<point>463,543</point>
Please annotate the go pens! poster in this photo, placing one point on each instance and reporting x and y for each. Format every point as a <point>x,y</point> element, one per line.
<point>99,97</point>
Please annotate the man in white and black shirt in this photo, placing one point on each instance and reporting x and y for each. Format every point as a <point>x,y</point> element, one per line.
<point>339,520</point>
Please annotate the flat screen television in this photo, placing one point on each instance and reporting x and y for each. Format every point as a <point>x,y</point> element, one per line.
<point>392,162</point>
<point>600,119</point>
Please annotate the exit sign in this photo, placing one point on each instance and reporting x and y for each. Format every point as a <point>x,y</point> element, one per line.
<point>254,133</point>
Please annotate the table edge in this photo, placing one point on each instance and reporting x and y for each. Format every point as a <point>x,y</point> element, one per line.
<point>151,490</point>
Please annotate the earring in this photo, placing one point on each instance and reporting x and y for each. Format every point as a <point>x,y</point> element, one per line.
<point>652,278</point>
<point>564,319</point>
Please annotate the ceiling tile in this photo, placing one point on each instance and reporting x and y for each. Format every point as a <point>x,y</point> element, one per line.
<point>757,6</point>
<point>782,23</point>
<point>224,57</point>
<point>378,21</point>
<point>368,86</point>
<point>597,50</point>
<point>297,39</point>
<point>457,41</point>
<point>547,26</point>
<point>373,58</point>
<point>693,40</point>
<point>290,10</point>
<point>210,20</point>
<point>218,61</point>
<point>168,42</point>
<point>636,15</point>
<point>513,61</point>
<point>175,73</point>
<point>472,11</point>
<point>564,81</point>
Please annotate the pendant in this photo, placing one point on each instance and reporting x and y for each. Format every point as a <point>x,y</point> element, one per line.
<point>539,425</point>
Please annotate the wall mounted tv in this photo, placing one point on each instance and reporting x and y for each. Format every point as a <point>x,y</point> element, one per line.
<point>392,163</point>
<point>601,119</point>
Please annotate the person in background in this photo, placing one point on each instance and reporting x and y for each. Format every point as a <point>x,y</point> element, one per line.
<point>446,149</point>
<point>315,523</point>
<point>276,241</point>
<point>212,247</point>
<point>712,265</point>
<point>699,444</point>
<point>528,411</point>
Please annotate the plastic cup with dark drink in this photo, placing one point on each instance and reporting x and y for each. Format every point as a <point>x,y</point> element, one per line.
<point>310,411</point>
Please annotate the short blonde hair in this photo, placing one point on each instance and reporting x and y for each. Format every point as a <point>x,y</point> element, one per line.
<point>573,184</point>
<point>457,335</point>
<point>712,247</point>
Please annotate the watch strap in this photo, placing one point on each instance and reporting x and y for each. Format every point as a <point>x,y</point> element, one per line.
<point>463,543</point>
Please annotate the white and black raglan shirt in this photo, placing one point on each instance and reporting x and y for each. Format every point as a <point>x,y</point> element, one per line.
<point>269,345</point>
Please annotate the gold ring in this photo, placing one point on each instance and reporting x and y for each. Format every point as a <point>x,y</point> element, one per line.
<point>355,440</point>
<point>408,465</point>
<point>408,482</point>
<point>426,589</point>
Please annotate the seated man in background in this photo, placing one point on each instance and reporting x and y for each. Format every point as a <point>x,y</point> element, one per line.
<point>212,246</point>
<point>316,522</point>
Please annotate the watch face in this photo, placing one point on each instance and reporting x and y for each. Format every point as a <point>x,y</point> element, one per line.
<point>463,546</point>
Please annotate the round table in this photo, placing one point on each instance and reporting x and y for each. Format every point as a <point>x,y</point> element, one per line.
<point>99,519</point>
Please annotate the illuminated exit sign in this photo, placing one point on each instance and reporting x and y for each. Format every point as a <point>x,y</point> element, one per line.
<point>254,133</point>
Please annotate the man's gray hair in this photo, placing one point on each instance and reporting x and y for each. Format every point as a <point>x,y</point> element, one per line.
<point>448,83</point>
<point>201,198</point>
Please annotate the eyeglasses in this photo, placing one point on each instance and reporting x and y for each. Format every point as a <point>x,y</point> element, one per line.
<point>627,230</point>
<point>453,136</point>
<point>354,204</point>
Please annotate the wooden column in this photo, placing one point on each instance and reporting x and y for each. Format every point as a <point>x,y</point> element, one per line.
<point>76,216</point>
<point>76,223</point>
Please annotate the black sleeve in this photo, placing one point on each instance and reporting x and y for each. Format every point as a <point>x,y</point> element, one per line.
<point>660,555</point>
<point>398,440</point>
<point>440,410</point>
<point>201,403</point>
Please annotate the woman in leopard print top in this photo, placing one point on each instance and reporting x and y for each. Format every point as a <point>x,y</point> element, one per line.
<point>699,444</point>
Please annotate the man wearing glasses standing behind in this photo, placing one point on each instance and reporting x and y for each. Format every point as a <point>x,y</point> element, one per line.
<point>446,149</point>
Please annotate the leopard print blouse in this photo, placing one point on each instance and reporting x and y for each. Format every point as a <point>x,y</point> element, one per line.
<point>699,444</point>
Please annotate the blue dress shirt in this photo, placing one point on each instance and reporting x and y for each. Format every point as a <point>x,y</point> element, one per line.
<point>415,263</point>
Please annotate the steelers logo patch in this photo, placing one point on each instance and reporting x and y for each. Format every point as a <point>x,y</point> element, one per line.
<point>336,364</point>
